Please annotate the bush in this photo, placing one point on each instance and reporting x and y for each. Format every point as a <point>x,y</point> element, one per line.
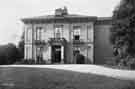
<point>113,61</point>
<point>125,63</point>
<point>131,63</point>
<point>8,54</point>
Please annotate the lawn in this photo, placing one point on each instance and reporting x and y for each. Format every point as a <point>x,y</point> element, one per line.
<point>43,78</point>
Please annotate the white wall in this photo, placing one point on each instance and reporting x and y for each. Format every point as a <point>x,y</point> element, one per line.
<point>28,33</point>
<point>28,51</point>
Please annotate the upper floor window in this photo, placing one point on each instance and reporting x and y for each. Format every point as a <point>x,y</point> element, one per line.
<point>90,33</point>
<point>39,33</point>
<point>76,32</point>
<point>58,31</point>
<point>76,50</point>
<point>29,34</point>
<point>39,52</point>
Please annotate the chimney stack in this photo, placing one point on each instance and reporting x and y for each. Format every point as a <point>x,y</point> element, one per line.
<point>61,11</point>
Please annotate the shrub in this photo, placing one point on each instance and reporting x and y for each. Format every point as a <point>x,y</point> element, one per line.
<point>113,61</point>
<point>125,63</point>
<point>131,63</point>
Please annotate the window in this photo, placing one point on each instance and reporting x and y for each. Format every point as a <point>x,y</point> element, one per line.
<point>90,33</point>
<point>76,32</point>
<point>39,33</point>
<point>76,50</point>
<point>28,52</point>
<point>76,37</point>
<point>39,53</point>
<point>29,34</point>
<point>58,31</point>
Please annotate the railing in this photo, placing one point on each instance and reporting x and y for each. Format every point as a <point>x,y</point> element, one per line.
<point>39,42</point>
<point>57,41</point>
<point>80,41</point>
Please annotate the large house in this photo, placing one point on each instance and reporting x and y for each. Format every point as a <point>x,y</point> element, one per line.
<point>60,37</point>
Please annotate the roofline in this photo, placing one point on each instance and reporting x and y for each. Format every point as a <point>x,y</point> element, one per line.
<point>104,21</point>
<point>65,19</point>
<point>96,19</point>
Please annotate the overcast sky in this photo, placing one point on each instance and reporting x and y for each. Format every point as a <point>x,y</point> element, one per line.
<point>11,11</point>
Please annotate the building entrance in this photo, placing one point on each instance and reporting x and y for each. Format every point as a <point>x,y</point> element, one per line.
<point>56,54</point>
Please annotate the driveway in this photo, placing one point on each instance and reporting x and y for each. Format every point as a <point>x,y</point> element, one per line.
<point>94,69</point>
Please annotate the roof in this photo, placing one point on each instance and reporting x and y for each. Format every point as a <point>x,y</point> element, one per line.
<point>103,20</point>
<point>65,18</point>
<point>69,17</point>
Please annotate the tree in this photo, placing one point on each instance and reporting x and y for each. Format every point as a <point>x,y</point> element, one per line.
<point>123,29</point>
<point>12,53</point>
<point>8,54</point>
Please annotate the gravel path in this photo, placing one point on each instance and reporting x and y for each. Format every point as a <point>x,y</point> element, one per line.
<point>94,69</point>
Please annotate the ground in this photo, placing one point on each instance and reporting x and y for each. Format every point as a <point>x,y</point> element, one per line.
<point>43,77</point>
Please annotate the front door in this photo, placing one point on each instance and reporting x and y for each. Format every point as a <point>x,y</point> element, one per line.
<point>56,54</point>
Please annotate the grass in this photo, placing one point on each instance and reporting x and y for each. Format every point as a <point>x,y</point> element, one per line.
<point>43,78</point>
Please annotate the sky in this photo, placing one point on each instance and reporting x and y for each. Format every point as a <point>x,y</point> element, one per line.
<point>11,12</point>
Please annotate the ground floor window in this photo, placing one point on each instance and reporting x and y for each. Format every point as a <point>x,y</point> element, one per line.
<point>79,58</point>
<point>76,50</point>
<point>39,53</point>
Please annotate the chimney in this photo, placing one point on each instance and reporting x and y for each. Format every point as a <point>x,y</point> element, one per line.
<point>61,11</point>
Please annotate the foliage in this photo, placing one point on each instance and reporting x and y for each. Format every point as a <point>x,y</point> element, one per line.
<point>123,33</point>
<point>123,28</point>
<point>113,61</point>
<point>119,63</point>
<point>130,62</point>
<point>8,54</point>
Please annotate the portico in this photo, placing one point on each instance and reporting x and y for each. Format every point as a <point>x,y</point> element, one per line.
<point>56,50</point>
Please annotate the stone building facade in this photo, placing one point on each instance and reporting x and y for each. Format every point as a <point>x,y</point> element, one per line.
<point>58,38</point>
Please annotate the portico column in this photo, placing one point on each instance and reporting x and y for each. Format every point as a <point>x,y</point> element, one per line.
<point>49,56</point>
<point>62,54</point>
